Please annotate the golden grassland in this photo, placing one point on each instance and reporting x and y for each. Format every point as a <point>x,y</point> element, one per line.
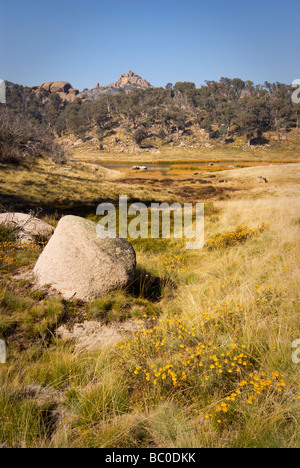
<point>60,188</point>
<point>211,365</point>
<point>189,156</point>
<point>280,147</point>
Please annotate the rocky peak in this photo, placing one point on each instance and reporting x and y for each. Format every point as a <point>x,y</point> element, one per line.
<point>132,79</point>
<point>125,84</point>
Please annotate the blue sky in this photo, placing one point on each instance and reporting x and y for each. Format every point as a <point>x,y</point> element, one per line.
<point>91,41</point>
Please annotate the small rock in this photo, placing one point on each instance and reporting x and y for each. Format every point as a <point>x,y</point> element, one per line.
<point>139,168</point>
<point>262,179</point>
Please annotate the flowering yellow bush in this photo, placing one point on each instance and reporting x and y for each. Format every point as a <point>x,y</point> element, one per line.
<point>240,235</point>
<point>9,258</point>
<point>173,264</point>
<point>174,358</point>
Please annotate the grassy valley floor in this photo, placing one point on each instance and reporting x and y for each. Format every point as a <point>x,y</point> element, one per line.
<point>198,350</point>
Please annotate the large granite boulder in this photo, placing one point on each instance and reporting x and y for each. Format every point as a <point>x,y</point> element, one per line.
<point>46,86</point>
<point>78,264</point>
<point>74,91</point>
<point>60,87</point>
<point>64,89</point>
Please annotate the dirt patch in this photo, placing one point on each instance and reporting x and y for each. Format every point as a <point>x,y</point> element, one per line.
<point>135,181</point>
<point>166,182</point>
<point>92,335</point>
<point>203,193</point>
<point>196,192</point>
<point>187,189</point>
<point>163,182</point>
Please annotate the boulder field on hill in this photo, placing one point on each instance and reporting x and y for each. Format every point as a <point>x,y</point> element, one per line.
<point>64,89</point>
<point>80,265</point>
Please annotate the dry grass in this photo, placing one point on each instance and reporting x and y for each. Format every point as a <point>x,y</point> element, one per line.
<point>64,188</point>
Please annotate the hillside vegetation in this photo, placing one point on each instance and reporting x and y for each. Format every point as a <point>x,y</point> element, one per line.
<point>230,112</point>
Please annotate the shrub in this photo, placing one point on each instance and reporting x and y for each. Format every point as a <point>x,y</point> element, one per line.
<point>59,154</point>
<point>240,235</point>
<point>7,233</point>
<point>21,140</point>
<point>139,135</point>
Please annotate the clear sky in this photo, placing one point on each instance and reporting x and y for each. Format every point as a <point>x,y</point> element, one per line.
<point>91,41</point>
